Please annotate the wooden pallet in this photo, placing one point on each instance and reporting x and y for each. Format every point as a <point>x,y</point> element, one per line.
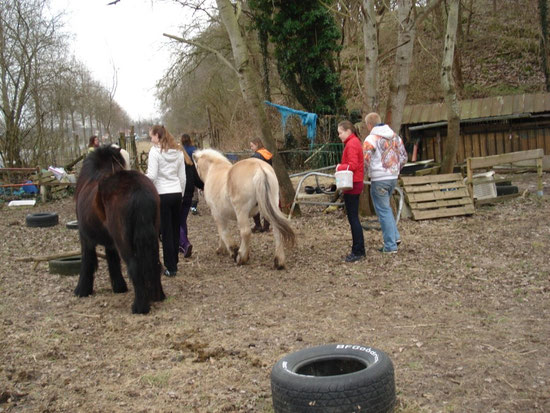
<point>437,196</point>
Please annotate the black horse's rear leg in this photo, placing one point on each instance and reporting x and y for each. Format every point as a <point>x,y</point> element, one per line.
<point>115,272</point>
<point>85,286</point>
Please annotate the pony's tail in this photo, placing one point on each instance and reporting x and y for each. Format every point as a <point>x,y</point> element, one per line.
<point>268,199</point>
<point>143,235</point>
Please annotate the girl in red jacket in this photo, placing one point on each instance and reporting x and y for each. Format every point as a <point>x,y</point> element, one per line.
<point>352,159</point>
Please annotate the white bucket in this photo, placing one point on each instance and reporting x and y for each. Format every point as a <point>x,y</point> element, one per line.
<point>344,180</point>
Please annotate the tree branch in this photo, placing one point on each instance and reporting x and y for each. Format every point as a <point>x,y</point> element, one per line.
<point>202,46</point>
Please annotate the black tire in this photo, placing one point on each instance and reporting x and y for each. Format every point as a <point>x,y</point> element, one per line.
<point>507,190</point>
<point>65,266</point>
<point>334,378</point>
<point>72,225</point>
<point>42,219</point>
<point>503,183</point>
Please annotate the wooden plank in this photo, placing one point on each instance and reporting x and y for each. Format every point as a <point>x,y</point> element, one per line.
<point>433,187</point>
<point>443,213</point>
<point>491,144</point>
<point>508,142</point>
<point>434,170</point>
<point>441,203</point>
<point>437,195</point>
<point>540,139</point>
<point>483,145</point>
<point>430,148</point>
<point>532,136</point>
<point>460,151</point>
<point>512,157</point>
<point>415,180</point>
<point>475,145</point>
<point>546,141</point>
<point>468,152</point>
<point>524,141</point>
<point>499,138</point>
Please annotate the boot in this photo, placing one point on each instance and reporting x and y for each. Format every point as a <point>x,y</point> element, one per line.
<point>257,223</point>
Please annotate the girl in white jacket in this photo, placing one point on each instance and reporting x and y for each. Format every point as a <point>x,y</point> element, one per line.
<point>166,168</point>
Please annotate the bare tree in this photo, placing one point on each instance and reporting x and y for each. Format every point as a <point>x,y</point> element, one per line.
<point>250,85</point>
<point>26,35</point>
<point>448,84</point>
<point>408,21</point>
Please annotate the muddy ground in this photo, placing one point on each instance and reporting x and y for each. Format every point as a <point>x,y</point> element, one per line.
<point>463,312</point>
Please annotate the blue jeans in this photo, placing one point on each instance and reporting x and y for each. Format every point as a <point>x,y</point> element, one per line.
<point>380,192</point>
<point>352,208</point>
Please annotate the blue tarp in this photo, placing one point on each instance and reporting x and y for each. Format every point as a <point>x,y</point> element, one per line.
<point>308,119</point>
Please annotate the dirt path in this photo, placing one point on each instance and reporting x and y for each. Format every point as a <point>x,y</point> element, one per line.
<point>463,312</point>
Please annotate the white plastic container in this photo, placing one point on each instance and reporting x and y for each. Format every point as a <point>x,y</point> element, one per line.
<point>344,180</point>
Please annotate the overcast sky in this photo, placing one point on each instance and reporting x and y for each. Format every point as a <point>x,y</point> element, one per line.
<point>126,36</point>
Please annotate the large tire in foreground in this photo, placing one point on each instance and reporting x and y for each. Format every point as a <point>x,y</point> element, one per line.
<point>334,378</point>
<point>65,266</point>
<point>42,219</point>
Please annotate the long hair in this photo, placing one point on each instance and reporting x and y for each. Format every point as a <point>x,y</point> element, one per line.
<point>91,141</point>
<point>258,142</point>
<point>166,140</point>
<point>347,125</point>
<point>186,141</point>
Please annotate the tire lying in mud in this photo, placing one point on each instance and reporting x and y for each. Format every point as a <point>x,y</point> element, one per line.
<point>42,219</point>
<point>507,190</point>
<point>334,378</point>
<point>65,266</point>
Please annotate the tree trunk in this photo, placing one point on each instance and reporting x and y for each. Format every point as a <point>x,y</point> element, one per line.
<point>448,85</point>
<point>403,60</point>
<point>370,40</point>
<point>543,15</point>
<point>250,89</point>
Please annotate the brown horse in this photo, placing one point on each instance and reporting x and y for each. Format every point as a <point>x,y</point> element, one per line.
<point>119,209</point>
<point>237,192</point>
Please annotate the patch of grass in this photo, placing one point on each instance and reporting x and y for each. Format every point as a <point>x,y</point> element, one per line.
<point>156,380</point>
<point>415,365</point>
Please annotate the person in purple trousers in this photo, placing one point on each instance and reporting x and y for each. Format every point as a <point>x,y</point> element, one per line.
<point>193,181</point>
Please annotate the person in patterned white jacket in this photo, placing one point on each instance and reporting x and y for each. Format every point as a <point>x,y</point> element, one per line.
<point>385,156</point>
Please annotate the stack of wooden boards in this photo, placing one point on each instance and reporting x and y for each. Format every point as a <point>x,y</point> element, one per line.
<point>437,196</point>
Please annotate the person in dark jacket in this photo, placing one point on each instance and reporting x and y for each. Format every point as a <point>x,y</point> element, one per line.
<point>193,181</point>
<point>260,152</point>
<point>189,147</point>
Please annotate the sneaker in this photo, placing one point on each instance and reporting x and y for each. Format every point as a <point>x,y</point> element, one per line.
<point>170,273</point>
<point>383,250</point>
<point>194,210</point>
<point>398,242</point>
<point>188,252</point>
<point>181,250</point>
<point>352,257</point>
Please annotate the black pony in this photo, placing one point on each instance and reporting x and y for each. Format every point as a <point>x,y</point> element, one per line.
<point>119,209</point>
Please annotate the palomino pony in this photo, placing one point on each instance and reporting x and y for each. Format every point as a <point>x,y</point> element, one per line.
<point>236,192</point>
<point>119,209</point>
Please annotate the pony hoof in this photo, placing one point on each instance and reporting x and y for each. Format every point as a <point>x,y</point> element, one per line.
<point>241,260</point>
<point>82,292</point>
<point>277,265</point>
<point>120,288</point>
<point>234,253</point>
<point>141,308</point>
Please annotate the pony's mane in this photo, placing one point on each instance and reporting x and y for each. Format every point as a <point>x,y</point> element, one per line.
<point>100,163</point>
<point>212,154</point>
